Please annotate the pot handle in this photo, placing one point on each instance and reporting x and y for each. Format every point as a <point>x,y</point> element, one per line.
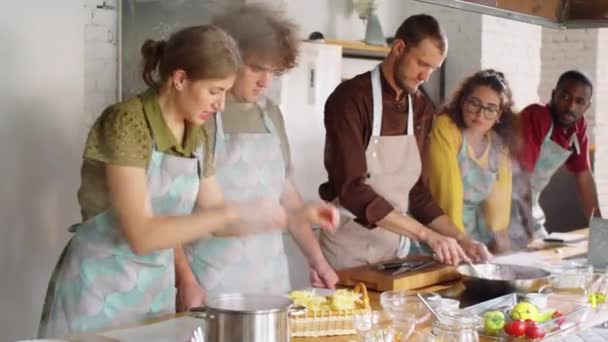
<point>200,312</point>
<point>297,310</point>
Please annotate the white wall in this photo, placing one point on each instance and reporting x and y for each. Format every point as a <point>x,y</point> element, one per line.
<point>41,137</point>
<point>101,56</point>
<point>601,119</point>
<point>514,48</point>
<point>156,19</point>
<point>337,19</point>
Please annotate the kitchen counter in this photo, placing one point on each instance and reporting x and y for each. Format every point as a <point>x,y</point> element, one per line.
<point>538,251</point>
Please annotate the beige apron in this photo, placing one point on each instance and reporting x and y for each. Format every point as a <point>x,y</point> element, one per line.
<point>394,166</point>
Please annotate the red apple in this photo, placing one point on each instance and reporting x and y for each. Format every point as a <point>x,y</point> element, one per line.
<point>535,331</point>
<point>516,328</point>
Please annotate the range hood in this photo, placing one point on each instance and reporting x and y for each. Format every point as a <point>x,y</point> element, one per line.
<point>561,14</point>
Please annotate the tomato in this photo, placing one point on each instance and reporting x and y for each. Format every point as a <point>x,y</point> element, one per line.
<point>535,331</point>
<point>558,321</point>
<point>516,328</point>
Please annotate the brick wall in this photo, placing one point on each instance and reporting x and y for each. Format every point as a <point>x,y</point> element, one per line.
<point>564,50</point>
<point>101,56</point>
<point>586,50</point>
<point>503,48</point>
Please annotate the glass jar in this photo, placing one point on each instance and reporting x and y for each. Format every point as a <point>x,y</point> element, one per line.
<point>379,326</point>
<point>456,326</point>
<point>569,276</point>
<point>597,290</point>
<point>399,303</point>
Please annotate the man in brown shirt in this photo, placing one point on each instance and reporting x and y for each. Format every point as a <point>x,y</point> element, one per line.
<point>419,48</point>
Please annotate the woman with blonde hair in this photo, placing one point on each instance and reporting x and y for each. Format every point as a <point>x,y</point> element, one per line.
<point>469,161</point>
<point>147,187</point>
<point>253,160</point>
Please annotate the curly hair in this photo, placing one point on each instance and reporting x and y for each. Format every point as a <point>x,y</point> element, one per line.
<point>262,32</point>
<point>506,127</point>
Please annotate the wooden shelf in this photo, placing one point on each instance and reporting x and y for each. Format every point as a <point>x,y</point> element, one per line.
<point>352,48</point>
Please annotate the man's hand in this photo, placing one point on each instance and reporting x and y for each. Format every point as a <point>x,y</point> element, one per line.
<point>446,249</point>
<point>189,295</point>
<point>257,216</point>
<point>475,250</point>
<point>323,276</point>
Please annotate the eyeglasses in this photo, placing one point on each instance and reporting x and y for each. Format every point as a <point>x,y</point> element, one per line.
<point>258,69</point>
<point>474,106</point>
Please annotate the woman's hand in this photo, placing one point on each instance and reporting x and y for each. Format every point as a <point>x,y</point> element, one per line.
<point>322,214</point>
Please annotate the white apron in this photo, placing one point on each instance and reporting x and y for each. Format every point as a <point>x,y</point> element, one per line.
<point>394,166</point>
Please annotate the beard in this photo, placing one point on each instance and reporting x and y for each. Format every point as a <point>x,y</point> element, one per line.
<point>565,119</point>
<point>401,80</point>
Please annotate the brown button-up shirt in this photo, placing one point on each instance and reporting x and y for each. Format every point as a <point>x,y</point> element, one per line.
<point>348,125</point>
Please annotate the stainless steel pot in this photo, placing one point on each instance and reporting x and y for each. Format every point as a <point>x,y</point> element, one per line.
<point>247,317</point>
<point>502,279</point>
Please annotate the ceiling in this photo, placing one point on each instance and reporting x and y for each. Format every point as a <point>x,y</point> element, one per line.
<point>563,14</point>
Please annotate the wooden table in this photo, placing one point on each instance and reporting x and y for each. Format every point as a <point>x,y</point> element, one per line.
<point>537,249</point>
<point>548,254</point>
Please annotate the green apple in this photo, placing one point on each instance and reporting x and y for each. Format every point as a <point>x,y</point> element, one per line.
<point>493,321</point>
<point>525,310</point>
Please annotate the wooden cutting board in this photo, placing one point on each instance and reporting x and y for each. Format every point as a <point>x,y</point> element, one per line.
<point>384,281</point>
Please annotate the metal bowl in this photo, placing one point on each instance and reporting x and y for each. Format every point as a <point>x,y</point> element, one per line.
<point>491,280</point>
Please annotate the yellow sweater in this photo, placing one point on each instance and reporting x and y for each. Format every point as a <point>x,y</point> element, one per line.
<point>445,179</point>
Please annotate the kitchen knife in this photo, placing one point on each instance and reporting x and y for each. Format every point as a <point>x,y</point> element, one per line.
<point>397,265</point>
<point>423,264</point>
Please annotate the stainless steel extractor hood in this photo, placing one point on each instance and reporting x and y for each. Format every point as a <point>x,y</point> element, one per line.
<point>563,14</point>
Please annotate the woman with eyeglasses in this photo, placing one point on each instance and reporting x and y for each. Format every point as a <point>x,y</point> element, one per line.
<point>469,164</point>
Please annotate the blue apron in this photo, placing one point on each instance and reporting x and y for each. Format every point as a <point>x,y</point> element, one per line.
<point>550,158</point>
<point>99,282</point>
<point>477,184</point>
<point>249,166</point>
